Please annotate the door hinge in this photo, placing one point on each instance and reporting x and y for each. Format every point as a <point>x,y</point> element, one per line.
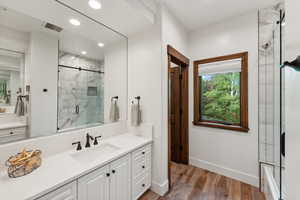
<point>180,147</point>
<point>180,76</point>
<point>181,111</point>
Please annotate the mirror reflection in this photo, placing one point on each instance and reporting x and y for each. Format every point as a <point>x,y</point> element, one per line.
<point>81,84</point>
<point>11,75</point>
<point>58,73</point>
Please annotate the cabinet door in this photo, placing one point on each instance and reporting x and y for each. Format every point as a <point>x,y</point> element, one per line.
<point>120,182</point>
<point>67,192</point>
<point>94,186</point>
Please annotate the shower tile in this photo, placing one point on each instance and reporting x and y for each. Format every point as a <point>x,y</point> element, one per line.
<point>73,90</point>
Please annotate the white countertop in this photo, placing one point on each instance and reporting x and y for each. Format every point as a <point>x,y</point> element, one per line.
<point>12,125</point>
<point>62,168</point>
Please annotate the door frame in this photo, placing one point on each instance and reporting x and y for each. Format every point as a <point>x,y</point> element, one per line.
<point>176,57</point>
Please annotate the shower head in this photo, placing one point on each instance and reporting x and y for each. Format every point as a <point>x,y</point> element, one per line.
<point>294,64</point>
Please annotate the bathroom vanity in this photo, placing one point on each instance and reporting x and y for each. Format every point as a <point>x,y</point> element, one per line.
<point>125,178</point>
<point>118,168</point>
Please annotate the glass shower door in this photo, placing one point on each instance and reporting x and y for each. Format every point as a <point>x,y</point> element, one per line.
<point>72,98</point>
<point>80,98</point>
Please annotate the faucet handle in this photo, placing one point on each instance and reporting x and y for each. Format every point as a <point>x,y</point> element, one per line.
<point>78,145</point>
<point>96,141</point>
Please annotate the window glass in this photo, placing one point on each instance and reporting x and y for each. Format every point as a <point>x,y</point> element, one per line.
<point>220,98</point>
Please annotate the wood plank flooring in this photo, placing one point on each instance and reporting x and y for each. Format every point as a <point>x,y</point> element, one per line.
<point>192,183</point>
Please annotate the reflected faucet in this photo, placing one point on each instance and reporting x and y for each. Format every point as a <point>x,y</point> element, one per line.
<point>88,138</point>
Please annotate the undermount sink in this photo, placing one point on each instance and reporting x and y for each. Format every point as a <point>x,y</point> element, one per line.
<point>94,153</point>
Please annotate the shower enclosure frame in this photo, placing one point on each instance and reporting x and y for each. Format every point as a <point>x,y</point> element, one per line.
<point>261,163</point>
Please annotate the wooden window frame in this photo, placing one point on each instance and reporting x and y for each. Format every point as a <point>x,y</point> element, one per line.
<point>244,125</point>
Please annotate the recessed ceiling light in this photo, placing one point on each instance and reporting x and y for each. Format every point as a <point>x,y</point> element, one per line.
<point>83,53</point>
<point>100,44</point>
<point>74,22</point>
<point>95,4</point>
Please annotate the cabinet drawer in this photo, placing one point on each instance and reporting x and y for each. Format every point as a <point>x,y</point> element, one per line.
<point>67,192</point>
<point>11,135</point>
<point>141,161</point>
<point>144,151</point>
<point>141,165</point>
<point>12,131</point>
<point>141,185</point>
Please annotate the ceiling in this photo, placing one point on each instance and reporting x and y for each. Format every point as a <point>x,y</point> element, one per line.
<point>199,13</point>
<point>125,16</point>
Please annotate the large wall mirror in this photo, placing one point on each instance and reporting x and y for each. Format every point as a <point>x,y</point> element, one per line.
<point>58,72</point>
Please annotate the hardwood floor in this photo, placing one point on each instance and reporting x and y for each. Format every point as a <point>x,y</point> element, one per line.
<point>192,183</point>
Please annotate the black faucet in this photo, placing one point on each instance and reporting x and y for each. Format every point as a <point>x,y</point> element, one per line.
<point>96,140</point>
<point>78,145</point>
<point>88,138</point>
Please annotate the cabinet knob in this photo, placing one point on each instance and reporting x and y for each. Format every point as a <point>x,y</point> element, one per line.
<point>143,152</point>
<point>113,171</point>
<point>143,167</point>
<point>11,133</point>
<point>107,174</point>
<point>143,185</point>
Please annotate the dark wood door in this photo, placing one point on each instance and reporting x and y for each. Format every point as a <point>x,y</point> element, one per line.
<point>175,115</point>
<point>178,109</point>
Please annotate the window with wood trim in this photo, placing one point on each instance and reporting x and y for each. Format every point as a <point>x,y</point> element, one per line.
<point>221,92</point>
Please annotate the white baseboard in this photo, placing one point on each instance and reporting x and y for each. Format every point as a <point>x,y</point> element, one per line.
<point>160,189</point>
<point>234,174</point>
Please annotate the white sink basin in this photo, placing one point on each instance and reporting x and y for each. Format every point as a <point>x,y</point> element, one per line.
<point>94,153</point>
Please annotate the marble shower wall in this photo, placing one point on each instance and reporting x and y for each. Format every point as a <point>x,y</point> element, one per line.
<point>81,89</point>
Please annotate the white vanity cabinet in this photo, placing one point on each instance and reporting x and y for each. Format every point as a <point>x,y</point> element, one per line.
<point>111,182</point>
<point>126,178</point>
<point>141,171</point>
<point>66,192</point>
<point>95,185</point>
<point>120,180</point>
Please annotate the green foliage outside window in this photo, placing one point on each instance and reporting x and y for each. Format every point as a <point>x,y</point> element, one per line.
<point>220,97</point>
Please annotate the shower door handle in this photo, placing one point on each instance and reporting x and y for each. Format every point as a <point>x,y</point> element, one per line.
<point>77,109</point>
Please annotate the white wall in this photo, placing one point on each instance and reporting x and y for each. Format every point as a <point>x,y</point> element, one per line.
<point>13,40</point>
<point>144,79</point>
<point>174,34</point>
<point>214,149</point>
<point>234,154</point>
<point>115,78</point>
<point>43,75</point>
<point>292,98</point>
<point>148,78</point>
